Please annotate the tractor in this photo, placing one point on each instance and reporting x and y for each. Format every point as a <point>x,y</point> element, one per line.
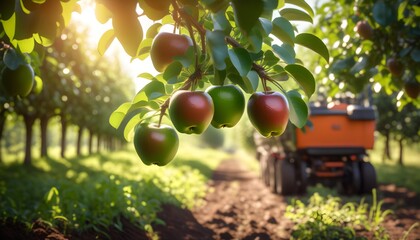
<point>331,150</point>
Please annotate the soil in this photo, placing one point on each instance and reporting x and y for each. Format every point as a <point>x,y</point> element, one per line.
<point>238,206</point>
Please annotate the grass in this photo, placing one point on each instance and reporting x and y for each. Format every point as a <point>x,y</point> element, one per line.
<point>94,192</point>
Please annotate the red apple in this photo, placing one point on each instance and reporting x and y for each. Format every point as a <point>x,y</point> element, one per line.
<point>191,111</point>
<point>364,29</point>
<point>395,67</point>
<point>166,46</point>
<point>268,113</point>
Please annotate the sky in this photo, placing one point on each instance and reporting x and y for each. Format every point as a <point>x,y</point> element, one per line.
<point>135,67</point>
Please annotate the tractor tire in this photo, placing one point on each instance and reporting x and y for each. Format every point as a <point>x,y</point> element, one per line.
<point>271,170</point>
<point>303,177</point>
<point>285,178</point>
<point>352,180</point>
<point>368,177</point>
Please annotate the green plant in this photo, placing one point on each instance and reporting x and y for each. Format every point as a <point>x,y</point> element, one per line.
<point>229,105</point>
<point>191,112</point>
<point>268,113</point>
<point>155,144</point>
<point>328,218</point>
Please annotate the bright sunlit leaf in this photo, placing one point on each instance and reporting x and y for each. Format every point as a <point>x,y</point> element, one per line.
<point>106,41</point>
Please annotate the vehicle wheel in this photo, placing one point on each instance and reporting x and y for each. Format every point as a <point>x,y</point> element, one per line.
<point>368,177</point>
<point>271,170</point>
<point>286,178</point>
<point>352,180</point>
<point>303,177</point>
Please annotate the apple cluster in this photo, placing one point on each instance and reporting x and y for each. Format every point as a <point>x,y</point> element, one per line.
<point>191,112</point>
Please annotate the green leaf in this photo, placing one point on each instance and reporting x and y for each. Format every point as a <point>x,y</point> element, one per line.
<point>251,81</point>
<point>270,59</point>
<point>303,77</point>
<point>360,65</point>
<point>218,48</point>
<point>303,5</point>
<point>293,14</point>
<point>144,49</point>
<point>102,13</point>
<point>255,40</point>
<point>188,58</point>
<point>298,109</point>
<point>283,30</point>
<point>314,43</point>
<point>285,52</point>
<point>9,26</point>
<point>383,13</point>
<point>118,115</point>
<point>105,41</point>
<point>26,45</point>
<point>415,54</point>
<point>172,72</point>
<point>247,13</point>
<point>153,30</point>
<point>278,73</point>
<point>152,90</point>
<point>133,118</point>
<point>267,25</point>
<point>219,77</point>
<point>241,60</point>
<point>220,22</point>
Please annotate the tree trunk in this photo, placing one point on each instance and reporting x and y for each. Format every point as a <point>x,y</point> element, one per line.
<point>400,159</point>
<point>98,143</point>
<point>387,149</point>
<point>63,136</point>
<point>90,141</point>
<point>44,136</point>
<point>29,123</point>
<point>2,123</point>
<point>79,141</point>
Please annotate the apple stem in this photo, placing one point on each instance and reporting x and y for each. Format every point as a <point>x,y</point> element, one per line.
<point>189,21</point>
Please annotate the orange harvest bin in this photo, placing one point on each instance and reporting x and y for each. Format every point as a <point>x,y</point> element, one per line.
<point>342,126</point>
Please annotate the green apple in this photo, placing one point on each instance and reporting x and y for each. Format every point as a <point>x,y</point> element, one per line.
<point>229,105</point>
<point>268,113</point>
<point>155,144</point>
<point>191,111</point>
<point>18,81</point>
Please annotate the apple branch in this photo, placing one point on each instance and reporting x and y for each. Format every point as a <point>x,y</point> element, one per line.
<point>262,73</point>
<point>191,22</point>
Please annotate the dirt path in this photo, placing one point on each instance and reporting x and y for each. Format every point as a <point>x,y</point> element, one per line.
<point>238,206</point>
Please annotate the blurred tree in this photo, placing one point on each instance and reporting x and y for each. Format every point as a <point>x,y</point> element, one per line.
<point>374,44</point>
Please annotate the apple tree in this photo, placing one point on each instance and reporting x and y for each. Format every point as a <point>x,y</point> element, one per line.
<point>248,44</point>
<point>374,44</point>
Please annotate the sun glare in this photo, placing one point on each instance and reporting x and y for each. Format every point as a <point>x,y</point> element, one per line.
<point>88,19</point>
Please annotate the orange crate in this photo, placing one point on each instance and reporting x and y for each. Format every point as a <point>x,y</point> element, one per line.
<point>345,126</point>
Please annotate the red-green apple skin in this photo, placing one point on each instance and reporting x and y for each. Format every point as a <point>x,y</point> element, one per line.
<point>166,46</point>
<point>412,89</point>
<point>155,144</point>
<point>17,82</point>
<point>268,113</point>
<point>229,105</point>
<point>191,111</point>
<point>395,67</point>
<point>364,29</point>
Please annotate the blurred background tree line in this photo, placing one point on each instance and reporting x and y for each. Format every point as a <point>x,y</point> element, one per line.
<point>79,90</point>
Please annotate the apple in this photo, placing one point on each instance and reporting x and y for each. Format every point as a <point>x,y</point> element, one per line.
<point>412,88</point>
<point>18,81</point>
<point>395,67</point>
<point>268,113</point>
<point>166,46</point>
<point>364,29</point>
<point>155,144</point>
<point>191,111</point>
<point>229,105</point>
